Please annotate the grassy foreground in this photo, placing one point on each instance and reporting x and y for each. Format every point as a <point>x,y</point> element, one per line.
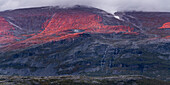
<point>80,80</point>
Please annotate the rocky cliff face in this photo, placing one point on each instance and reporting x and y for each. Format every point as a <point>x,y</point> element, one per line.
<point>51,41</point>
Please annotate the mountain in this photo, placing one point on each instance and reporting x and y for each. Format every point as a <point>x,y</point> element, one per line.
<point>50,41</point>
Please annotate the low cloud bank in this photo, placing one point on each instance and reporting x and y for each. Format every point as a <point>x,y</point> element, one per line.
<point>107,5</point>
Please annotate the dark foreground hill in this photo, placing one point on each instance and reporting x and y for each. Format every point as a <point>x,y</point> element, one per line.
<point>52,41</point>
<point>80,80</point>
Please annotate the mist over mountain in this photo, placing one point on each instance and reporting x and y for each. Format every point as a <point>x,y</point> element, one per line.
<point>110,6</point>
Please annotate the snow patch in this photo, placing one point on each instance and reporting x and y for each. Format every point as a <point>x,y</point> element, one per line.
<point>117,17</point>
<point>11,18</point>
<point>15,25</point>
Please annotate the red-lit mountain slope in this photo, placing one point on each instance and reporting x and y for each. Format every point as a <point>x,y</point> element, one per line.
<point>72,23</point>
<point>65,24</point>
<point>150,23</point>
<point>6,33</point>
<point>28,27</point>
<point>165,26</point>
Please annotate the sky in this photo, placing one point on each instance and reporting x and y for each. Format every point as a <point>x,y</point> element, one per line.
<point>107,5</point>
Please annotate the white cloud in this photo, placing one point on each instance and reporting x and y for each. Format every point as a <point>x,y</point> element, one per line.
<point>108,5</point>
<point>9,4</point>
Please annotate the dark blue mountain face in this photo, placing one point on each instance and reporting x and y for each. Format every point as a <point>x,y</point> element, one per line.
<point>37,43</point>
